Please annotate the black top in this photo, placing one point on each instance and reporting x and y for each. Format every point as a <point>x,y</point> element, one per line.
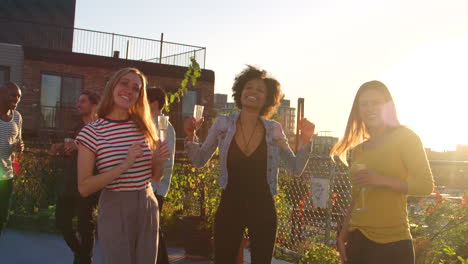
<point>68,164</point>
<point>247,175</point>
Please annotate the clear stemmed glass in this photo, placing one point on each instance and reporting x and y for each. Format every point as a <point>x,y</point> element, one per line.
<point>198,112</point>
<point>162,126</point>
<point>362,190</point>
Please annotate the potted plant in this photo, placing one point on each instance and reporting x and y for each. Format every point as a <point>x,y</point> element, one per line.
<point>195,196</point>
<point>206,195</point>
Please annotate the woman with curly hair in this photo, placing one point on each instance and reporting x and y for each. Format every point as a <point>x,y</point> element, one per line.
<point>250,150</point>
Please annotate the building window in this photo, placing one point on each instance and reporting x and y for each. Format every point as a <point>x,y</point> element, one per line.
<point>188,103</point>
<point>59,95</point>
<point>182,110</point>
<point>4,74</point>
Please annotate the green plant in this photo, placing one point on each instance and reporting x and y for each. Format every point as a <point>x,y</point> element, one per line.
<point>34,195</point>
<point>283,210</point>
<point>320,254</point>
<point>451,252</point>
<point>440,232</point>
<point>191,76</point>
<point>36,187</point>
<point>195,191</point>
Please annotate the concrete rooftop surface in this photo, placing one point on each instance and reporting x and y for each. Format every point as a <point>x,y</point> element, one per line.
<point>21,247</point>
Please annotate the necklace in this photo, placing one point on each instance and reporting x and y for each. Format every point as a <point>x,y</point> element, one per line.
<point>246,148</point>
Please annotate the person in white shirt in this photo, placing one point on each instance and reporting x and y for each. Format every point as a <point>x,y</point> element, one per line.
<point>157,100</point>
<point>10,143</point>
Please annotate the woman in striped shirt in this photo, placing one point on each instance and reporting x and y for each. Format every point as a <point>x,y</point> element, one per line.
<point>124,147</point>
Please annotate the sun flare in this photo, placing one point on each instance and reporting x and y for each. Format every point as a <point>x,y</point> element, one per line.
<point>430,87</point>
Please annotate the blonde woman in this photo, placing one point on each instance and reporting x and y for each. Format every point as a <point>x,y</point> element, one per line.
<point>388,163</point>
<point>123,145</point>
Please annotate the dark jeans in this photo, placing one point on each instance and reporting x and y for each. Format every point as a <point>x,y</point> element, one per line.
<point>6,190</point>
<point>361,250</point>
<point>163,258</point>
<point>69,206</point>
<point>233,215</point>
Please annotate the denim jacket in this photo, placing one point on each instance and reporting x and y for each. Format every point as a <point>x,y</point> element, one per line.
<point>222,133</point>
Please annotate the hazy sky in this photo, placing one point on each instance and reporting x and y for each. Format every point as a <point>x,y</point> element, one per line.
<point>322,50</point>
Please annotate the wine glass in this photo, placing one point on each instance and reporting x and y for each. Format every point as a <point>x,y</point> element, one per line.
<point>362,190</point>
<point>198,112</point>
<point>162,127</point>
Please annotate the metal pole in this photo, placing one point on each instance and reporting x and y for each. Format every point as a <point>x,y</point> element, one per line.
<point>160,48</point>
<point>194,56</point>
<point>112,47</point>
<point>204,58</point>
<point>128,43</point>
<point>328,217</point>
<point>300,116</point>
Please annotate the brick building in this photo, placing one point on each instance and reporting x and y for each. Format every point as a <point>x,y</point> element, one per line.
<point>52,62</point>
<point>51,81</point>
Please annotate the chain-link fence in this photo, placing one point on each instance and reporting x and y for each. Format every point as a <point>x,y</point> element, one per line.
<point>311,207</point>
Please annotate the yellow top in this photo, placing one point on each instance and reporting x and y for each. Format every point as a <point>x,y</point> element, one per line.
<point>385,218</point>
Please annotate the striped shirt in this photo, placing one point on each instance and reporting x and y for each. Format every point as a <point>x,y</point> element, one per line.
<point>10,135</point>
<point>109,140</point>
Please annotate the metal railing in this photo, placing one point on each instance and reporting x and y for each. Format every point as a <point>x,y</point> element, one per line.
<point>101,43</point>
<point>55,121</point>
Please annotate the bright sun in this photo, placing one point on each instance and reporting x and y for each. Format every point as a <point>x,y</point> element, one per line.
<point>430,88</point>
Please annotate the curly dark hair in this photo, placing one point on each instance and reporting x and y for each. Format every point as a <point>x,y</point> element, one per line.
<point>273,92</point>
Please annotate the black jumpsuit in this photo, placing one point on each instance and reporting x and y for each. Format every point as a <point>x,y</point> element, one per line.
<point>246,202</point>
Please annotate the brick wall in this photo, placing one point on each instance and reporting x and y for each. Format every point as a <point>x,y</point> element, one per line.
<point>94,73</point>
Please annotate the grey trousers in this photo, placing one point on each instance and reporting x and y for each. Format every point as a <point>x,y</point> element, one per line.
<point>128,224</point>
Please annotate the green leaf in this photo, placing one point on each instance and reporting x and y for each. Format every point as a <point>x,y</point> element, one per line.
<point>184,83</point>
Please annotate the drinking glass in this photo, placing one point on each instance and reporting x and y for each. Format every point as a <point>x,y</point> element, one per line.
<point>363,190</point>
<point>198,112</point>
<point>162,127</point>
<point>15,157</point>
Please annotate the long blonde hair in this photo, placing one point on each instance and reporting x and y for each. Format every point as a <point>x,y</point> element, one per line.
<point>356,131</point>
<point>139,112</point>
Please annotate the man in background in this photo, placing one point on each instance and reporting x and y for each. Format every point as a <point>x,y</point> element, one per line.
<point>11,144</point>
<point>69,201</point>
<point>157,100</point>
